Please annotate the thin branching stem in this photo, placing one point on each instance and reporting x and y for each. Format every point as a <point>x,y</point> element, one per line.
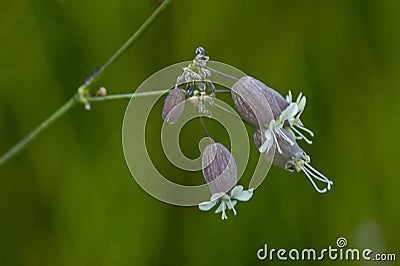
<point>203,125</point>
<point>31,136</point>
<point>83,95</point>
<point>222,73</point>
<point>127,96</point>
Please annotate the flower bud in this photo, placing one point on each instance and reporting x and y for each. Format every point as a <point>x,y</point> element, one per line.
<point>256,101</point>
<point>219,168</point>
<point>101,92</point>
<point>173,106</point>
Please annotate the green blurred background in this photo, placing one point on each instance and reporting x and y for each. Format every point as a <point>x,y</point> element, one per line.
<point>69,199</point>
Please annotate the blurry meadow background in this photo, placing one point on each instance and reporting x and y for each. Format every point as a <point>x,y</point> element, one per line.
<point>69,198</point>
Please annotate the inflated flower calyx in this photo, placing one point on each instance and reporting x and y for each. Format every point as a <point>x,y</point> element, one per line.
<point>219,168</point>
<point>220,172</point>
<point>250,101</point>
<point>174,105</point>
<point>257,102</point>
<point>293,158</point>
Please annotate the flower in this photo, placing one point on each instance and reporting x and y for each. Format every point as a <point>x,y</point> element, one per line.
<point>293,158</point>
<point>174,105</point>
<point>294,121</point>
<point>227,201</point>
<point>256,101</point>
<point>276,128</point>
<point>199,88</point>
<point>220,172</point>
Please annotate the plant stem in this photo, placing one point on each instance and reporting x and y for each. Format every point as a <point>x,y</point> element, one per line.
<point>64,109</point>
<point>203,125</point>
<point>82,95</point>
<point>31,136</point>
<point>222,73</point>
<point>127,96</point>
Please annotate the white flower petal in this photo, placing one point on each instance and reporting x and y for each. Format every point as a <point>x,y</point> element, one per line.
<point>266,145</point>
<point>302,104</point>
<point>207,205</point>
<point>231,204</point>
<point>236,191</point>
<point>288,113</point>
<point>271,127</point>
<point>216,196</point>
<point>245,195</point>
<point>299,98</point>
<point>289,97</point>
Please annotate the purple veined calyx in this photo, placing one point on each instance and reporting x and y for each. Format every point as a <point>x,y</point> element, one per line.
<point>220,173</point>
<point>252,98</point>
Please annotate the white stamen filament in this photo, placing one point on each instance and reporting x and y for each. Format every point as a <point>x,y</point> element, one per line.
<point>305,129</point>
<point>230,206</point>
<point>276,142</point>
<point>284,136</point>
<point>311,173</point>
<point>312,181</point>
<point>319,176</point>
<point>301,136</point>
<point>223,215</point>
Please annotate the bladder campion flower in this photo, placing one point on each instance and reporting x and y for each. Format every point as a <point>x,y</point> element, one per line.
<point>255,101</point>
<point>227,201</point>
<point>220,172</point>
<point>275,118</point>
<point>293,158</point>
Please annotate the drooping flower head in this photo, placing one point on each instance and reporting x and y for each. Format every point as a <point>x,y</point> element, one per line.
<point>277,122</point>
<point>293,158</point>
<point>220,173</point>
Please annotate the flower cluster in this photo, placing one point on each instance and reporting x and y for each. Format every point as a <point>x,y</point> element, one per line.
<point>192,84</point>
<point>276,121</point>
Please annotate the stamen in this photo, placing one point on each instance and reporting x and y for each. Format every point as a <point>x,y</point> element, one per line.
<point>321,177</point>
<point>231,206</point>
<point>305,129</point>
<point>305,171</point>
<point>223,215</point>
<point>301,136</point>
<point>276,142</point>
<point>284,136</point>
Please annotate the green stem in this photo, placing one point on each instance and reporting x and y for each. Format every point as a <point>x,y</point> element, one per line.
<point>127,96</point>
<point>31,136</point>
<point>63,110</point>
<point>83,91</point>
